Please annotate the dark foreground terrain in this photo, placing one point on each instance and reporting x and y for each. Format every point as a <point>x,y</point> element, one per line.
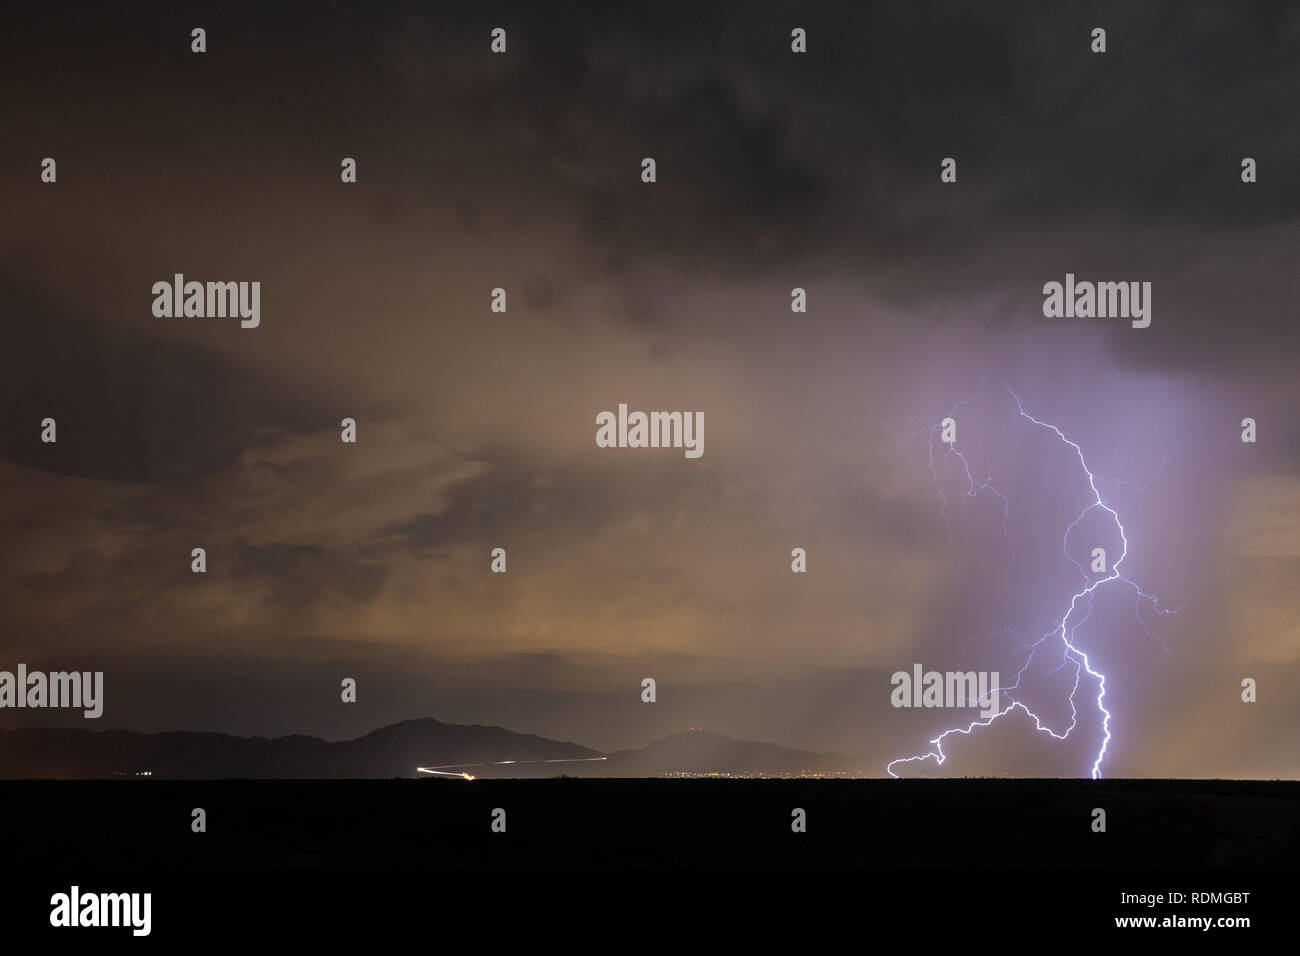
<point>325,857</point>
<point>575,822</point>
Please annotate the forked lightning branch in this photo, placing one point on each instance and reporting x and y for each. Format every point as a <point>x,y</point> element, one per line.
<point>1064,631</point>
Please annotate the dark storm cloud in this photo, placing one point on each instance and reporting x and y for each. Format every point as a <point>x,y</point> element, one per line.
<point>729,188</point>
<point>1152,131</point>
<point>1046,132</point>
<point>129,406</point>
<point>769,157</point>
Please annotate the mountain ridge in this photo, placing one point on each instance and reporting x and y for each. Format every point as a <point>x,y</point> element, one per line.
<point>394,750</point>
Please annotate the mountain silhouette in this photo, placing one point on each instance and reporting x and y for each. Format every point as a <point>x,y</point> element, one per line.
<point>393,751</point>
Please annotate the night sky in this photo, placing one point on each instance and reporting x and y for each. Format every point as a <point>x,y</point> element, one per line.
<point>476,429</point>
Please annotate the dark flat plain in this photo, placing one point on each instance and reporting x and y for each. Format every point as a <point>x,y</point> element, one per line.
<point>654,822</point>
<point>608,860</point>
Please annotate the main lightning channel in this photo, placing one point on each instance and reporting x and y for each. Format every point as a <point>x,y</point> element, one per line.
<point>1064,628</point>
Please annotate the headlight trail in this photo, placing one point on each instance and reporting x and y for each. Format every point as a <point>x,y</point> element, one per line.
<point>444,773</point>
<point>448,769</point>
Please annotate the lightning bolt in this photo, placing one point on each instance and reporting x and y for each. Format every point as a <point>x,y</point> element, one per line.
<point>1080,604</point>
